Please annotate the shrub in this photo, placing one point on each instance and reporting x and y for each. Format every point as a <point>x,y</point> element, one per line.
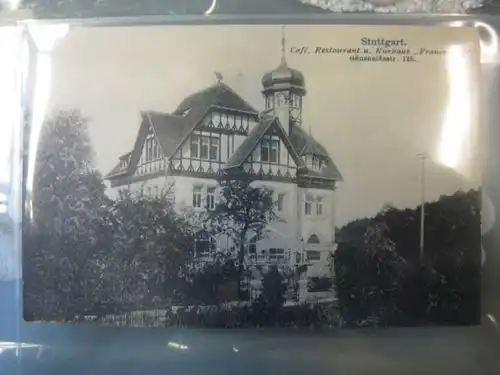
<point>319,284</point>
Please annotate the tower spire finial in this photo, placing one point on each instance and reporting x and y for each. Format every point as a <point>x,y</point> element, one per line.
<point>283,45</point>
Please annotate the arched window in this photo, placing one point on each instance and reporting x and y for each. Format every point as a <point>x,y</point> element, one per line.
<point>313,239</point>
<point>204,243</point>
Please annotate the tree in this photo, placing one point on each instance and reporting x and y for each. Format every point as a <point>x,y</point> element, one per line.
<point>152,245</point>
<point>388,206</point>
<point>268,307</point>
<point>319,284</point>
<point>273,289</point>
<point>444,290</point>
<point>214,283</point>
<point>60,242</point>
<point>242,210</point>
<point>368,276</point>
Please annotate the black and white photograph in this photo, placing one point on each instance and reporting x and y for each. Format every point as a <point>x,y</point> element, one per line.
<point>246,176</point>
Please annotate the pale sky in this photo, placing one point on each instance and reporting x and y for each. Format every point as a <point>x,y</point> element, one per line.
<point>373,118</point>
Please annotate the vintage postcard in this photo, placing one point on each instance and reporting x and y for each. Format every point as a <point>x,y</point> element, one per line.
<point>256,176</point>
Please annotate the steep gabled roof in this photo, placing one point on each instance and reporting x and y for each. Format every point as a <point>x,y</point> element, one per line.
<point>311,147</point>
<point>198,104</point>
<point>219,94</point>
<point>253,139</point>
<point>171,130</point>
<point>305,142</point>
<point>168,130</point>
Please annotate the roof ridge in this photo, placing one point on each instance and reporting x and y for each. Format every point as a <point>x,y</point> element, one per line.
<point>166,114</point>
<point>206,88</point>
<point>238,95</point>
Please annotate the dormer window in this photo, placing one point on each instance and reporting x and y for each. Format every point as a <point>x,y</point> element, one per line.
<point>314,163</point>
<point>186,112</point>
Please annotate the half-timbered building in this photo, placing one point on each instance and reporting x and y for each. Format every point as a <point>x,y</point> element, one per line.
<point>216,131</point>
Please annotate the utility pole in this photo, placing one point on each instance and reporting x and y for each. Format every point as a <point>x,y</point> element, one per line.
<point>422,157</point>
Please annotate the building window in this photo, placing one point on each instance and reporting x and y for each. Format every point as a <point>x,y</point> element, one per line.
<point>280,98</point>
<point>197,197</point>
<point>204,243</point>
<point>280,202</point>
<point>150,194</point>
<point>308,204</point>
<point>318,163</point>
<point>211,198</point>
<point>313,239</point>
<point>276,251</point>
<point>214,149</point>
<point>269,151</point>
<point>314,163</point>
<point>276,254</point>
<point>151,149</point>
<point>195,145</point>
<point>204,147</point>
<point>313,255</point>
<point>205,144</point>
<point>319,206</point>
<point>269,101</point>
<point>252,246</point>
<point>156,191</point>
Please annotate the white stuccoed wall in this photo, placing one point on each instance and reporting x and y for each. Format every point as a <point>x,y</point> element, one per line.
<point>289,233</point>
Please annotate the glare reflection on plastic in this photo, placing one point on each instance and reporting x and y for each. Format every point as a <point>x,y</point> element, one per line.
<point>176,345</point>
<point>45,38</point>
<point>457,121</point>
<point>489,47</point>
<point>9,107</point>
<point>17,346</point>
<point>211,9</point>
<point>11,4</point>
